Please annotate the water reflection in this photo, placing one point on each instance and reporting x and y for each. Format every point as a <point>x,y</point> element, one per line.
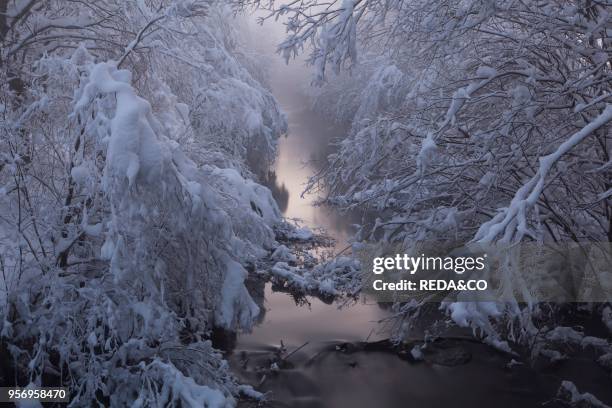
<point>308,141</point>
<point>279,191</point>
<point>310,319</point>
<point>300,155</point>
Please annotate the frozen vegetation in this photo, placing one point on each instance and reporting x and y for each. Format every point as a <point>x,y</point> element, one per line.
<point>128,202</point>
<point>470,121</point>
<point>134,135</point>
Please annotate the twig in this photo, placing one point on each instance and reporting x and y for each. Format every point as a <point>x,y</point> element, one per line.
<point>295,351</point>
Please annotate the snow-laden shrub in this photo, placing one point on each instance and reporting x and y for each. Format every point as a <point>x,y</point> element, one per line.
<point>160,203</point>
<point>569,395</point>
<point>121,244</point>
<point>328,279</point>
<point>133,295</point>
<point>236,121</point>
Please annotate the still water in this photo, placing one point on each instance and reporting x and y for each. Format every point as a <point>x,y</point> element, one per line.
<point>300,153</point>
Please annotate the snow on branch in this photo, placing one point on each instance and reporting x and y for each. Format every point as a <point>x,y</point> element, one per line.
<point>515,215</point>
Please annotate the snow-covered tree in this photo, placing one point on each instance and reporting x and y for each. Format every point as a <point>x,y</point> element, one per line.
<point>476,120</point>
<point>127,215</point>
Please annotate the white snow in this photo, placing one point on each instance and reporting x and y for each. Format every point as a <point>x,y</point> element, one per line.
<point>283,254</point>
<point>416,353</point>
<point>252,196</point>
<point>235,301</point>
<point>92,340</point>
<point>248,391</point>
<point>485,71</point>
<point>93,230</point>
<point>185,390</point>
<point>513,363</point>
<point>426,154</point>
<point>466,313</point>
<point>569,392</point>
<point>565,335</point>
<point>554,355</point>
<point>529,193</point>
<point>333,277</point>
<point>292,276</point>
<point>301,234</point>
<point>595,342</point>
<point>80,174</point>
<point>605,360</point>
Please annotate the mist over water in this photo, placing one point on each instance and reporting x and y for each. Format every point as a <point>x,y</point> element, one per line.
<point>300,153</point>
<point>309,139</point>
